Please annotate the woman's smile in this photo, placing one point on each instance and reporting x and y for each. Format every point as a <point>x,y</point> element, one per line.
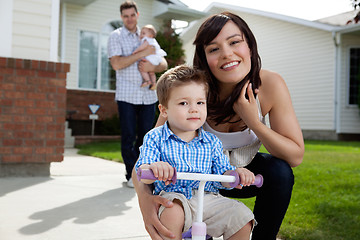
<point>230,65</point>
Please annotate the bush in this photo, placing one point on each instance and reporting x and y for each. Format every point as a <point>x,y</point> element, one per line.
<point>111,126</point>
<point>172,45</point>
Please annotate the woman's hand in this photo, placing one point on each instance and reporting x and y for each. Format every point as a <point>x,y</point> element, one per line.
<point>246,177</point>
<point>149,206</point>
<point>245,108</point>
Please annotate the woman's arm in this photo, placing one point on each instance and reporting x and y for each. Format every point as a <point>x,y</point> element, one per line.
<point>160,121</point>
<point>284,138</point>
<point>149,206</point>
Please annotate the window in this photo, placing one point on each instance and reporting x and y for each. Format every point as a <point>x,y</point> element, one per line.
<point>88,59</point>
<point>354,76</point>
<point>95,71</point>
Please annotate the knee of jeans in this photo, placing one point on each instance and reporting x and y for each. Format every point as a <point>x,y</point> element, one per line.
<point>280,173</point>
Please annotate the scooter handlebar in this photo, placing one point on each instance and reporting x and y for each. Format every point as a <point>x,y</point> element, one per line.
<point>148,174</point>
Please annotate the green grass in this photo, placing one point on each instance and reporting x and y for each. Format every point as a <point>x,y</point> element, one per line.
<point>326,197</point>
<point>110,150</point>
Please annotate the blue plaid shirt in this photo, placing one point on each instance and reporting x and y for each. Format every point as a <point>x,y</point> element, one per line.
<point>204,154</point>
<point>122,42</point>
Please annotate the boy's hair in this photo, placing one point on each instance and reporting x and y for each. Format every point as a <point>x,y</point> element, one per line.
<point>127,5</point>
<point>151,28</point>
<point>178,76</point>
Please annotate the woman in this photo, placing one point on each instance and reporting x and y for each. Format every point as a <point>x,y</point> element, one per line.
<point>241,94</point>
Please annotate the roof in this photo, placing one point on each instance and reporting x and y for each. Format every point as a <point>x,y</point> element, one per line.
<point>339,19</point>
<point>321,25</point>
<point>78,2</point>
<point>176,10</point>
<point>164,9</point>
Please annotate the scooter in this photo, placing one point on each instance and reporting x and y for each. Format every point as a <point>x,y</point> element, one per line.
<point>198,229</point>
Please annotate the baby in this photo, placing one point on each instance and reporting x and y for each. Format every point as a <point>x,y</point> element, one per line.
<point>147,36</point>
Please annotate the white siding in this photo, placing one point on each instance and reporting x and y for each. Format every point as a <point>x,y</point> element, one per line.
<point>92,18</point>
<point>31,29</point>
<point>349,117</point>
<point>305,57</point>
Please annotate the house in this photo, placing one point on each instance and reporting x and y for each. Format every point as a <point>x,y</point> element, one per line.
<point>76,32</point>
<point>319,60</point>
<point>314,57</point>
<point>84,30</point>
<point>53,61</point>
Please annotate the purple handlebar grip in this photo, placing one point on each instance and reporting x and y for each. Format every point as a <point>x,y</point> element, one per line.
<point>148,174</point>
<point>237,179</point>
<point>259,180</point>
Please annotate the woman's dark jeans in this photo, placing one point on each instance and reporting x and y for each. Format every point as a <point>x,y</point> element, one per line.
<point>272,199</point>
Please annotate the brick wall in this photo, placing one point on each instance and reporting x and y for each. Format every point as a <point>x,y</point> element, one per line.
<point>32,115</point>
<point>78,100</point>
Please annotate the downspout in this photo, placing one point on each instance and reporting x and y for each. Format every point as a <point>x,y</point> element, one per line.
<point>63,32</point>
<point>337,72</point>
<point>6,27</point>
<point>54,35</point>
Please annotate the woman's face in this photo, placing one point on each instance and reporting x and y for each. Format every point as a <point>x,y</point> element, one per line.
<point>228,55</point>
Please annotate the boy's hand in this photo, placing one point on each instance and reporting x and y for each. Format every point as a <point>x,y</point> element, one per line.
<point>163,171</point>
<point>246,177</point>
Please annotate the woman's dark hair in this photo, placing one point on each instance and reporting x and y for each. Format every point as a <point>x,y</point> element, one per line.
<point>222,111</point>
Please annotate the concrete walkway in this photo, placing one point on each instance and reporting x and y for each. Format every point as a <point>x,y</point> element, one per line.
<point>85,198</point>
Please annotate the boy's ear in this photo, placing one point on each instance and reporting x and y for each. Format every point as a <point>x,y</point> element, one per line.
<point>162,110</point>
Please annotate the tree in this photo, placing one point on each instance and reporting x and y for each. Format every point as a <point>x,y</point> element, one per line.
<point>355,4</point>
<point>172,45</point>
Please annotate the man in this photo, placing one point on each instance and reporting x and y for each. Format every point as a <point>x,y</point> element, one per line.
<point>136,105</point>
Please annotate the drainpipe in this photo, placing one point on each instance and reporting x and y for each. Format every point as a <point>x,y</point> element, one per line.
<point>6,27</point>
<point>54,36</point>
<point>63,32</point>
<point>337,72</point>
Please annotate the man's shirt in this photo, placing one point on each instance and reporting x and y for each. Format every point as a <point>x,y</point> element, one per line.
<point>122,42</point>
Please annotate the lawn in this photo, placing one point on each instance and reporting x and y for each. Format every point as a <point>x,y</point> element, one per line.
<point>326,198</point>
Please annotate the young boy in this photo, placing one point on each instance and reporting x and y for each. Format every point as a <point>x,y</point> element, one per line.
<point>147,36</point>
<point>181,143</point>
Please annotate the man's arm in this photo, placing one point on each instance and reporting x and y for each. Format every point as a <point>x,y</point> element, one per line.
<point>146,66</point>
<point>120,62</point>
<point>141,47</point>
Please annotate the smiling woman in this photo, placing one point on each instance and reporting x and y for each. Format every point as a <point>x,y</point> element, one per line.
<point>240,95</point>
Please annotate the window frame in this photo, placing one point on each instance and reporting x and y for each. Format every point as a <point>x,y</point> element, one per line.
<point>100,34</point>
<point>348,65</point>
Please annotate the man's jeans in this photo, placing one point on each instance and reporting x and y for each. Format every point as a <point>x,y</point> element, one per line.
<point>135,122</point>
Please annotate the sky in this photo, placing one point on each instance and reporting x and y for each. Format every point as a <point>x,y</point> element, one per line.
<point>304,9</point>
